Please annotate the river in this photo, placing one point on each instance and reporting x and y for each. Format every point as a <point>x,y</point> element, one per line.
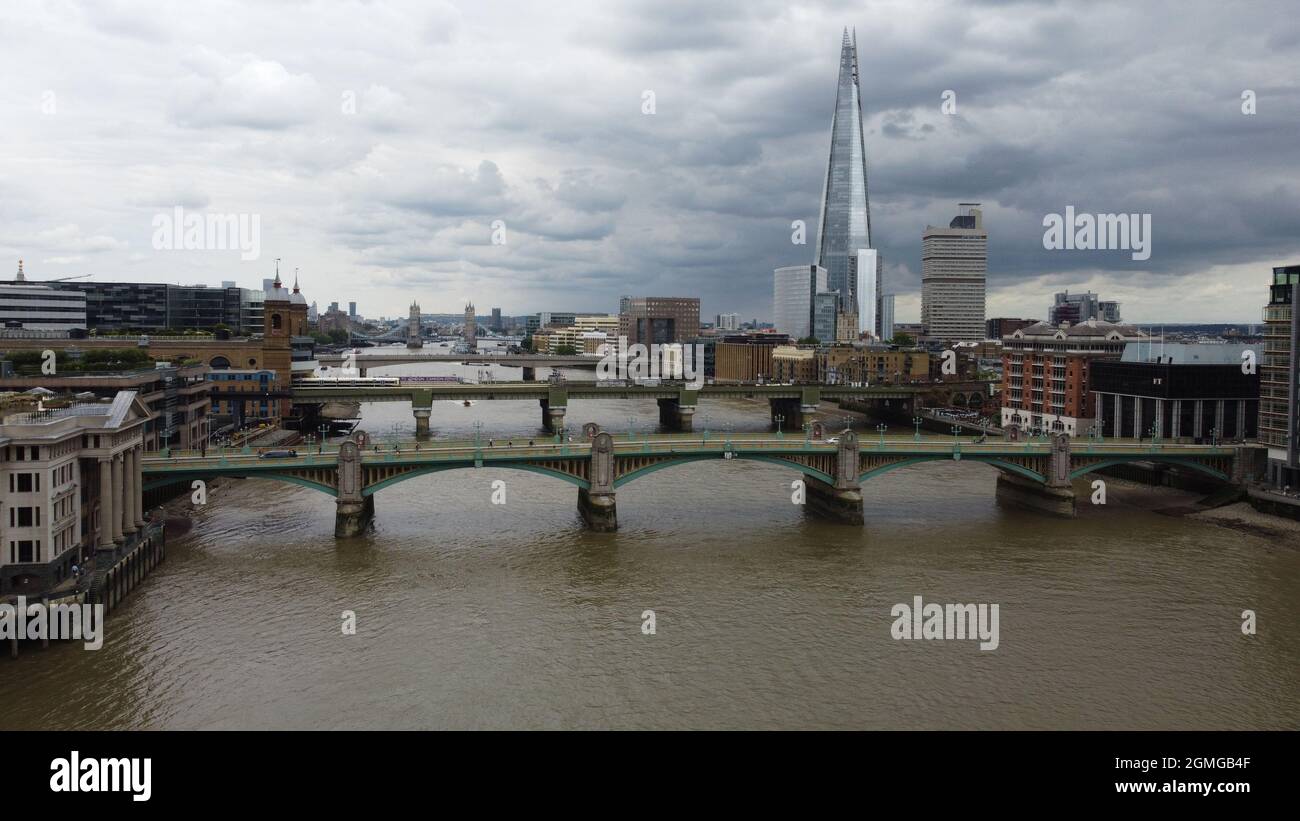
<point>475,615</point>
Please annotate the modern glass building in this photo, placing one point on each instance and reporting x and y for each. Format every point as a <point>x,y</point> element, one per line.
<point>794,289</point>
<point>155,306</point>
<point>844,223</point>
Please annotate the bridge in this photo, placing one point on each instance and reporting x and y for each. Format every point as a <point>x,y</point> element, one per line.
<point>677,403</point>
<point>1038,474</point>
<point>529,362</point>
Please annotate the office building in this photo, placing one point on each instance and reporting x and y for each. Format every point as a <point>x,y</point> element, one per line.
<point>1076,308</point>
<point>659,320</point>
<point>954,266</point>
<point>746,357</point>
<point>352,310</point>
<point>1279,412</point>
<point>999,327</point>
<point>496,326</point>
<point>886,317</point>
<point>68,489</point>
<point>826,313</point>
<point>793,298</point>
<point>38,307</point>
<point>1190,392</point>
<point>727,322</point>
<point>867,296</point>
<point>1046,369</point>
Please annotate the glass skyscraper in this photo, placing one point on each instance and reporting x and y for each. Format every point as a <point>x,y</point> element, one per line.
<point>844,224</point>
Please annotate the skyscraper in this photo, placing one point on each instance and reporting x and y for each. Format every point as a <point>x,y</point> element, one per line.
<point>844,223</point>
<point>954,265</point>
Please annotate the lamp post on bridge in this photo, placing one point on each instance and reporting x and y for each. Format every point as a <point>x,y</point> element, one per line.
<point>916,420</point>
<point>1214,437</point>
<point>881,428</point>
<point>955,432</point>
<point>780,419</point>
<point>631,423</point>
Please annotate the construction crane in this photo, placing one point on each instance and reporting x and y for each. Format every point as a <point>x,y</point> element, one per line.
<point>65,279</point>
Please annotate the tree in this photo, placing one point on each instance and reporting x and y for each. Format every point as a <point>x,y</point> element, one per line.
<point>566,350</point>
<point>810,340</point>
<point>903,340</point>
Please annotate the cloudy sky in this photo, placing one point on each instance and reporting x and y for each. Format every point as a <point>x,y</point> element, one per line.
<point>377,143</point>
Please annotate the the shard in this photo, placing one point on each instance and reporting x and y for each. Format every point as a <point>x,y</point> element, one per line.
<point>844,225</point>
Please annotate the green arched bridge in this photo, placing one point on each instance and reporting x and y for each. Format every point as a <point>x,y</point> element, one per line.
<point>1037,473</point>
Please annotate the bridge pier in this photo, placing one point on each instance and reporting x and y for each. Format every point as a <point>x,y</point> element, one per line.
<point>841,501</point>
<point>422,422</point>
<point>353,512</point>
<point>552,416</point>
<point>530,374</point>
<point>597,504</point>
<point>675,416</point>
<point>790,410</point>
<point>1017,491</point>
<point>1055,497</point>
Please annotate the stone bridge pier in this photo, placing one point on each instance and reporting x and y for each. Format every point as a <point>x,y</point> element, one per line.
<point>598,505</point>
<point>841,501</point>
<point>675,416</point>
<point>530,374</point>
<point>353,511</point>
<point>1056,498</point>
<point>552,416</point>
<point>787,413</point>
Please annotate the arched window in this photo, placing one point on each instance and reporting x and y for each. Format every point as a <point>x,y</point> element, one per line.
<point>219,363</point>
<point>276,322</point>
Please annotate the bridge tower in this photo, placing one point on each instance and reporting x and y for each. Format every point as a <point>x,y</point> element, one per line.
<point>413,339</point>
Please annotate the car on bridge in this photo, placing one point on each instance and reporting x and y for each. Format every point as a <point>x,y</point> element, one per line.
<point>277,454</point>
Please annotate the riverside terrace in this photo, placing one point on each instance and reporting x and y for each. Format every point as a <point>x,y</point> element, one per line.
<point>1038,474</point>
<point>677,403</point>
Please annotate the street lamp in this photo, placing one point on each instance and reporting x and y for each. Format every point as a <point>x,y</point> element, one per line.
<point>631,423</point>
<point>955,431</point>
<point>779,418</point>
<point>916,420</point>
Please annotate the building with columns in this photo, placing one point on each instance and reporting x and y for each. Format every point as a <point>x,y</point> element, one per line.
<point>1188,392</point>
<point>70,489</point>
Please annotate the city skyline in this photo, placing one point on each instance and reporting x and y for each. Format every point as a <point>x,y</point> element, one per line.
<point>598,198</point>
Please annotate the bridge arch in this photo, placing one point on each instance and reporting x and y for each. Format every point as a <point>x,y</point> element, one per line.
<point>1151,457</point>
<point>995,461</point>
<point>370,490</point>
<point>187,478</point>
<point>700,457</point>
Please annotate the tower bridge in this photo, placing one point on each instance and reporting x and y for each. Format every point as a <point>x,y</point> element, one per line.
<point>1034,474</point>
